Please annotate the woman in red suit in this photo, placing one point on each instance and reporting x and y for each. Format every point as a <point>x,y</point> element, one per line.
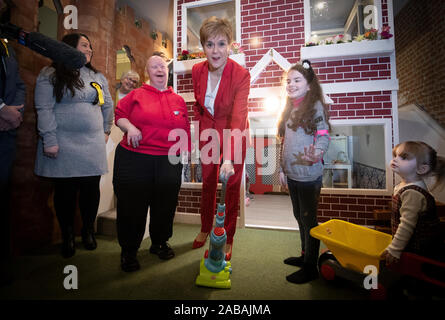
<point>221,88</point>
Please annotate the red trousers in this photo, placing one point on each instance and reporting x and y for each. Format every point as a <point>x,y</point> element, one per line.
<point>210,174</point>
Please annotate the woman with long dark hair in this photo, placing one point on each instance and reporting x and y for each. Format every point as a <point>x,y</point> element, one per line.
<point>75,114</point>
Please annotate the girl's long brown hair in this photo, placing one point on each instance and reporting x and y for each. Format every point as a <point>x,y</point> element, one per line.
<point>304,115</point>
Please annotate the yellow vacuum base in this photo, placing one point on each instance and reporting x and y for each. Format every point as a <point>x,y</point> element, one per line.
<point>219,280</point>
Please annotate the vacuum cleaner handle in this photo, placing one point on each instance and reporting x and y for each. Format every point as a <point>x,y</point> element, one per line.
<point>224,180</point>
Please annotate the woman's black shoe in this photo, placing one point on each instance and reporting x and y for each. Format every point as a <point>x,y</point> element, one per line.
<point>295,261</point>
<point>129,262</point>
<point>68,244</point>
<point>164,251</point>
<point>88,239</point>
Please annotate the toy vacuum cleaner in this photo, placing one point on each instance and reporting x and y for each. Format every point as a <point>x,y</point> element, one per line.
<point>214,270</point>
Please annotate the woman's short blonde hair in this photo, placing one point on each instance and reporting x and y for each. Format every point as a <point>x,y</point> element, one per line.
<point>130,73</point>
<point>214,26</point>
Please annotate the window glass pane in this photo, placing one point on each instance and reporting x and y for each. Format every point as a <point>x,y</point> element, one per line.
<point>356,158</point>
<point>333,17</point>
<point>196,16</point>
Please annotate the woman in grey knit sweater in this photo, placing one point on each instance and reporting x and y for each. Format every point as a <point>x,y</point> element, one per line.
<point>304,130</point>
<point>75,114</point>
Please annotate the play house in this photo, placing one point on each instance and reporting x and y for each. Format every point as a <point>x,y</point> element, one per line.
<point>350,45</point>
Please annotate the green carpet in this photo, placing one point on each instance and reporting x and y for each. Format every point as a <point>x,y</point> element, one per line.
<point>258,272</point>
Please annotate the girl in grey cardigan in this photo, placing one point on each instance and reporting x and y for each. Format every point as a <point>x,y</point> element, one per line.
<point>75,114</point>
<point>304,130</point>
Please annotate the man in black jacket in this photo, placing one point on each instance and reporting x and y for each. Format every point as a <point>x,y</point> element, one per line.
<point>12,99</point>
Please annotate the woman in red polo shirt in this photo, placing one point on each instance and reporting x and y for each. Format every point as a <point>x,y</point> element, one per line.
<point>144,175</point>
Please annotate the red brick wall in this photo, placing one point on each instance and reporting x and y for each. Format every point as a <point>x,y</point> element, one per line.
<point>364,69</point>
<point>109,32</point>
<point>184,83</point>
<point>352,208</point>
<point>277,25</point>
<point>420,53</point>
<point>272,76</point>
<point>256,105</point>
<point>360,105</point>
<point>139,40</point>
<point>32,221</point>
<point>385,13</point>
<point>96,20</point>
<point>189,200</point>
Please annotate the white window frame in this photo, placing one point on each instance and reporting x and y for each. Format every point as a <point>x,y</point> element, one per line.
<point>202,3</point>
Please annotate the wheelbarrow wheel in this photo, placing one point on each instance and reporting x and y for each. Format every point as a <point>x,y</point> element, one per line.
<point>380,293</point>
<point>327,272</point>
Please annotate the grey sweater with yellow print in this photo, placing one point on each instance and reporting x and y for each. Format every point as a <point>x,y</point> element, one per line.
<point>293,166</point>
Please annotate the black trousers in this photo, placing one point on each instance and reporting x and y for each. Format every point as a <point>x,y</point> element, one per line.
<point>65,200</point>
<point>7,155</point>
<point>304,197</point>
<point>143,181</point>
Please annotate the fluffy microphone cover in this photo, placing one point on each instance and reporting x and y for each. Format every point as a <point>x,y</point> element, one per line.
<point>56,50</point>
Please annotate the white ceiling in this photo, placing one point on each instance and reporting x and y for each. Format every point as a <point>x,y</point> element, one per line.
<point>159,13</point>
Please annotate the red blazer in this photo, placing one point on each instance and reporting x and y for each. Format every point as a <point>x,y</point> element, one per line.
<point>230,108</point>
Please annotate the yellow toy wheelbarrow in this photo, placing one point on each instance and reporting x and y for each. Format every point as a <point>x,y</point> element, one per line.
<point>354,252</point>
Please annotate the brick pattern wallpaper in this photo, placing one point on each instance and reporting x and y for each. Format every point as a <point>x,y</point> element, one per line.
<point>273,24</point>
<point>184,83</point>
<point>189,200</point>
<point>272,76</point>
<point>385,13</point>
<point>360,105</point>
<point>364,69</point>
<point>351,208</point>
